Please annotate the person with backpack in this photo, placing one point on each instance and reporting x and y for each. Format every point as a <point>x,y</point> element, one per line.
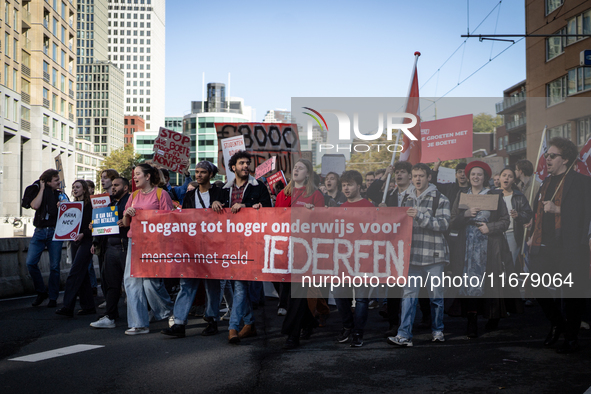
<point>429,254</point>
<point>43,197</point>
<point>141,291</point>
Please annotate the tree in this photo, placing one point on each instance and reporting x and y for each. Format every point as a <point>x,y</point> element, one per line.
<point>123,160</point>
<point>372,160</point>
<point>486,123</point>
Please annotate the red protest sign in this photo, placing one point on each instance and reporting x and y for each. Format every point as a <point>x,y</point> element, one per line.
<point>446,139</point>
<point>172,150</point>
<point>276,177</point>
<point>265,167</point>
<point>69,219</point>
<point>271,244</point>
<point>100,200</point>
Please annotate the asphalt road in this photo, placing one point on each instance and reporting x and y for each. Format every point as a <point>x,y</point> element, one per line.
<point>510,359</point>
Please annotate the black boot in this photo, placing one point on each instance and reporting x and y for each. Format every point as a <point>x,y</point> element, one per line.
<point>211,329</point>
<point>291,343</point>
<point>177,330</point>
<point>472,329</point>
<point>554,335</point>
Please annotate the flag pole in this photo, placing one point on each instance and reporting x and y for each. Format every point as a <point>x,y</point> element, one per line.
<point>531,192</point>
<point>412,76</point>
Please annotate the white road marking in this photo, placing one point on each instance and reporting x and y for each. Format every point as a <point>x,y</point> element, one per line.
<point>56,353</point>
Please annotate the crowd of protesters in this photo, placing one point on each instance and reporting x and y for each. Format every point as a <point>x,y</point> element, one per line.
<point>446,237</point>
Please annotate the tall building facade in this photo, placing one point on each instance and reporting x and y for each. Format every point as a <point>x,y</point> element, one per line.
<point>511,136</point>
<point>99,86</point>
<point>37,78</point>
<point>558,85</point>
<point>277,116</point>
<point>133,124</point>
<point>136,45</point>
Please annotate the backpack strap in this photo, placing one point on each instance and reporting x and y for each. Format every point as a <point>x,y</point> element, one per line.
<point>159,193</point>
<point>436,202</point>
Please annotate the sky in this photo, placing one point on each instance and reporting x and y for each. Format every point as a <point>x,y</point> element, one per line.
<point>279,50</point>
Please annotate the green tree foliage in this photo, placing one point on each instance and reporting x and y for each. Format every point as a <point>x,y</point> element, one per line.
<point>123,160</point>
<point>365,162</point>
<point>486,123</point>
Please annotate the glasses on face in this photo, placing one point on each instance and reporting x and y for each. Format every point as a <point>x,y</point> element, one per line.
<point>551,155</point>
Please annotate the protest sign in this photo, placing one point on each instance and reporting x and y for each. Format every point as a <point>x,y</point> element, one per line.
<point>271,244</point>
<point>486,202</point>
<point>69,219</point>
<point>60,168</point>
<point>229,147</point>
<point>333,163</point>
<point>265,167</point>
<point>172,150</point>
<point>263,141</point>
<point>276,177</point>
<point>100,200</point>
<point>496,163</point>
<point>446,175</point>
<point>104,221</point>
<point>446,139</point>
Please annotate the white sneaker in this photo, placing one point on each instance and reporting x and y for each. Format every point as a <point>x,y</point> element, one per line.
<point>585,325</point>
<point>137,331</point>
<point>281,312</point>
<point>438,336</point>
<point>103,322</point>
<point>400,341</point>
<point>227,315</point>
<point>171,321</point>
<point>103,305</point>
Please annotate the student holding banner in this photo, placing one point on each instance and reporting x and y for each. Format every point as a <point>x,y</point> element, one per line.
<point>43,197</point>
<point>141,291</point>
<point>300,192</point>
<point>115,251</point>
<point>244,191</point>
<point>482,243</point>
<point>78,282</point>
<point>200,198</point>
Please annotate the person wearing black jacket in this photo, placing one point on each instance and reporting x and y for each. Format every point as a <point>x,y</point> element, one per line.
<point>199,198</point>
<point>43,197</point>
<point>78,282</point>
<point>115,253</point>
<point>451,190</point>
<point>242,192</point>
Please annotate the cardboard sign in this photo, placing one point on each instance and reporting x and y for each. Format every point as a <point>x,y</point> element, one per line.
<point>486,202</point>
<point>333,163</point>
<point>69,219</point>
<point>229,147</point>
<point>104,221</point>
<point>276,177</point>
<point>496,163</point>
<point>172,150</point>
<point>271,244</point>
<point>60,168</point>
<point>446,139</point>
<point>446,175</point>
<point>263,141</point>
<point>266,167</point>
<point>100,200</point>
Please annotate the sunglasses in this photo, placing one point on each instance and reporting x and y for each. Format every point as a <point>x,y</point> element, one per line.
<point>552,155</point>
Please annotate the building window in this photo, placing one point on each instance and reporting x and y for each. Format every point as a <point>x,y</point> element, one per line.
<point>555,45</point>
<point>579,80</point>
<point>551,5</point>
<point>559,131</point>
<point>583,130</point>
<point>580,24</point>
<point>556,91</point>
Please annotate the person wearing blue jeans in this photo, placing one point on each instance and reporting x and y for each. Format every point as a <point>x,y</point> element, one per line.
<point>184,301</point>
<point>429,254</point>
<point>242,309</point>
<point>43,197</point>
<point>42,238</point>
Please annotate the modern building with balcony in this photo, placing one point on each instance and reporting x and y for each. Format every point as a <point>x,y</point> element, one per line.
<point>558,85</point>
<point>511,136</point>
<point>36,95</point>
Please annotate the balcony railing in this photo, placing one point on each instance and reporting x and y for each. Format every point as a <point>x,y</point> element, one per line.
<point>46,103</point>
<point>26,97</point>
<point>71,140</point>
<point>516,146</point>
<point>26,71</point>
<point>71,117</point>
<point>45,129</point>
<point>46,50</point>
<point>45,23</point>
<point>26,18</point>
<point>25,125</point>
<point>516,123</point>
<point>27,44</point>
<point>45,76</point>
<point>508,102</point>
<point>71,93</point>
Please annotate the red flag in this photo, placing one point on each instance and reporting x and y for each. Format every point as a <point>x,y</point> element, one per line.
<point>412,149</point>
<point>542,168</point>
<point>584,163</point>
